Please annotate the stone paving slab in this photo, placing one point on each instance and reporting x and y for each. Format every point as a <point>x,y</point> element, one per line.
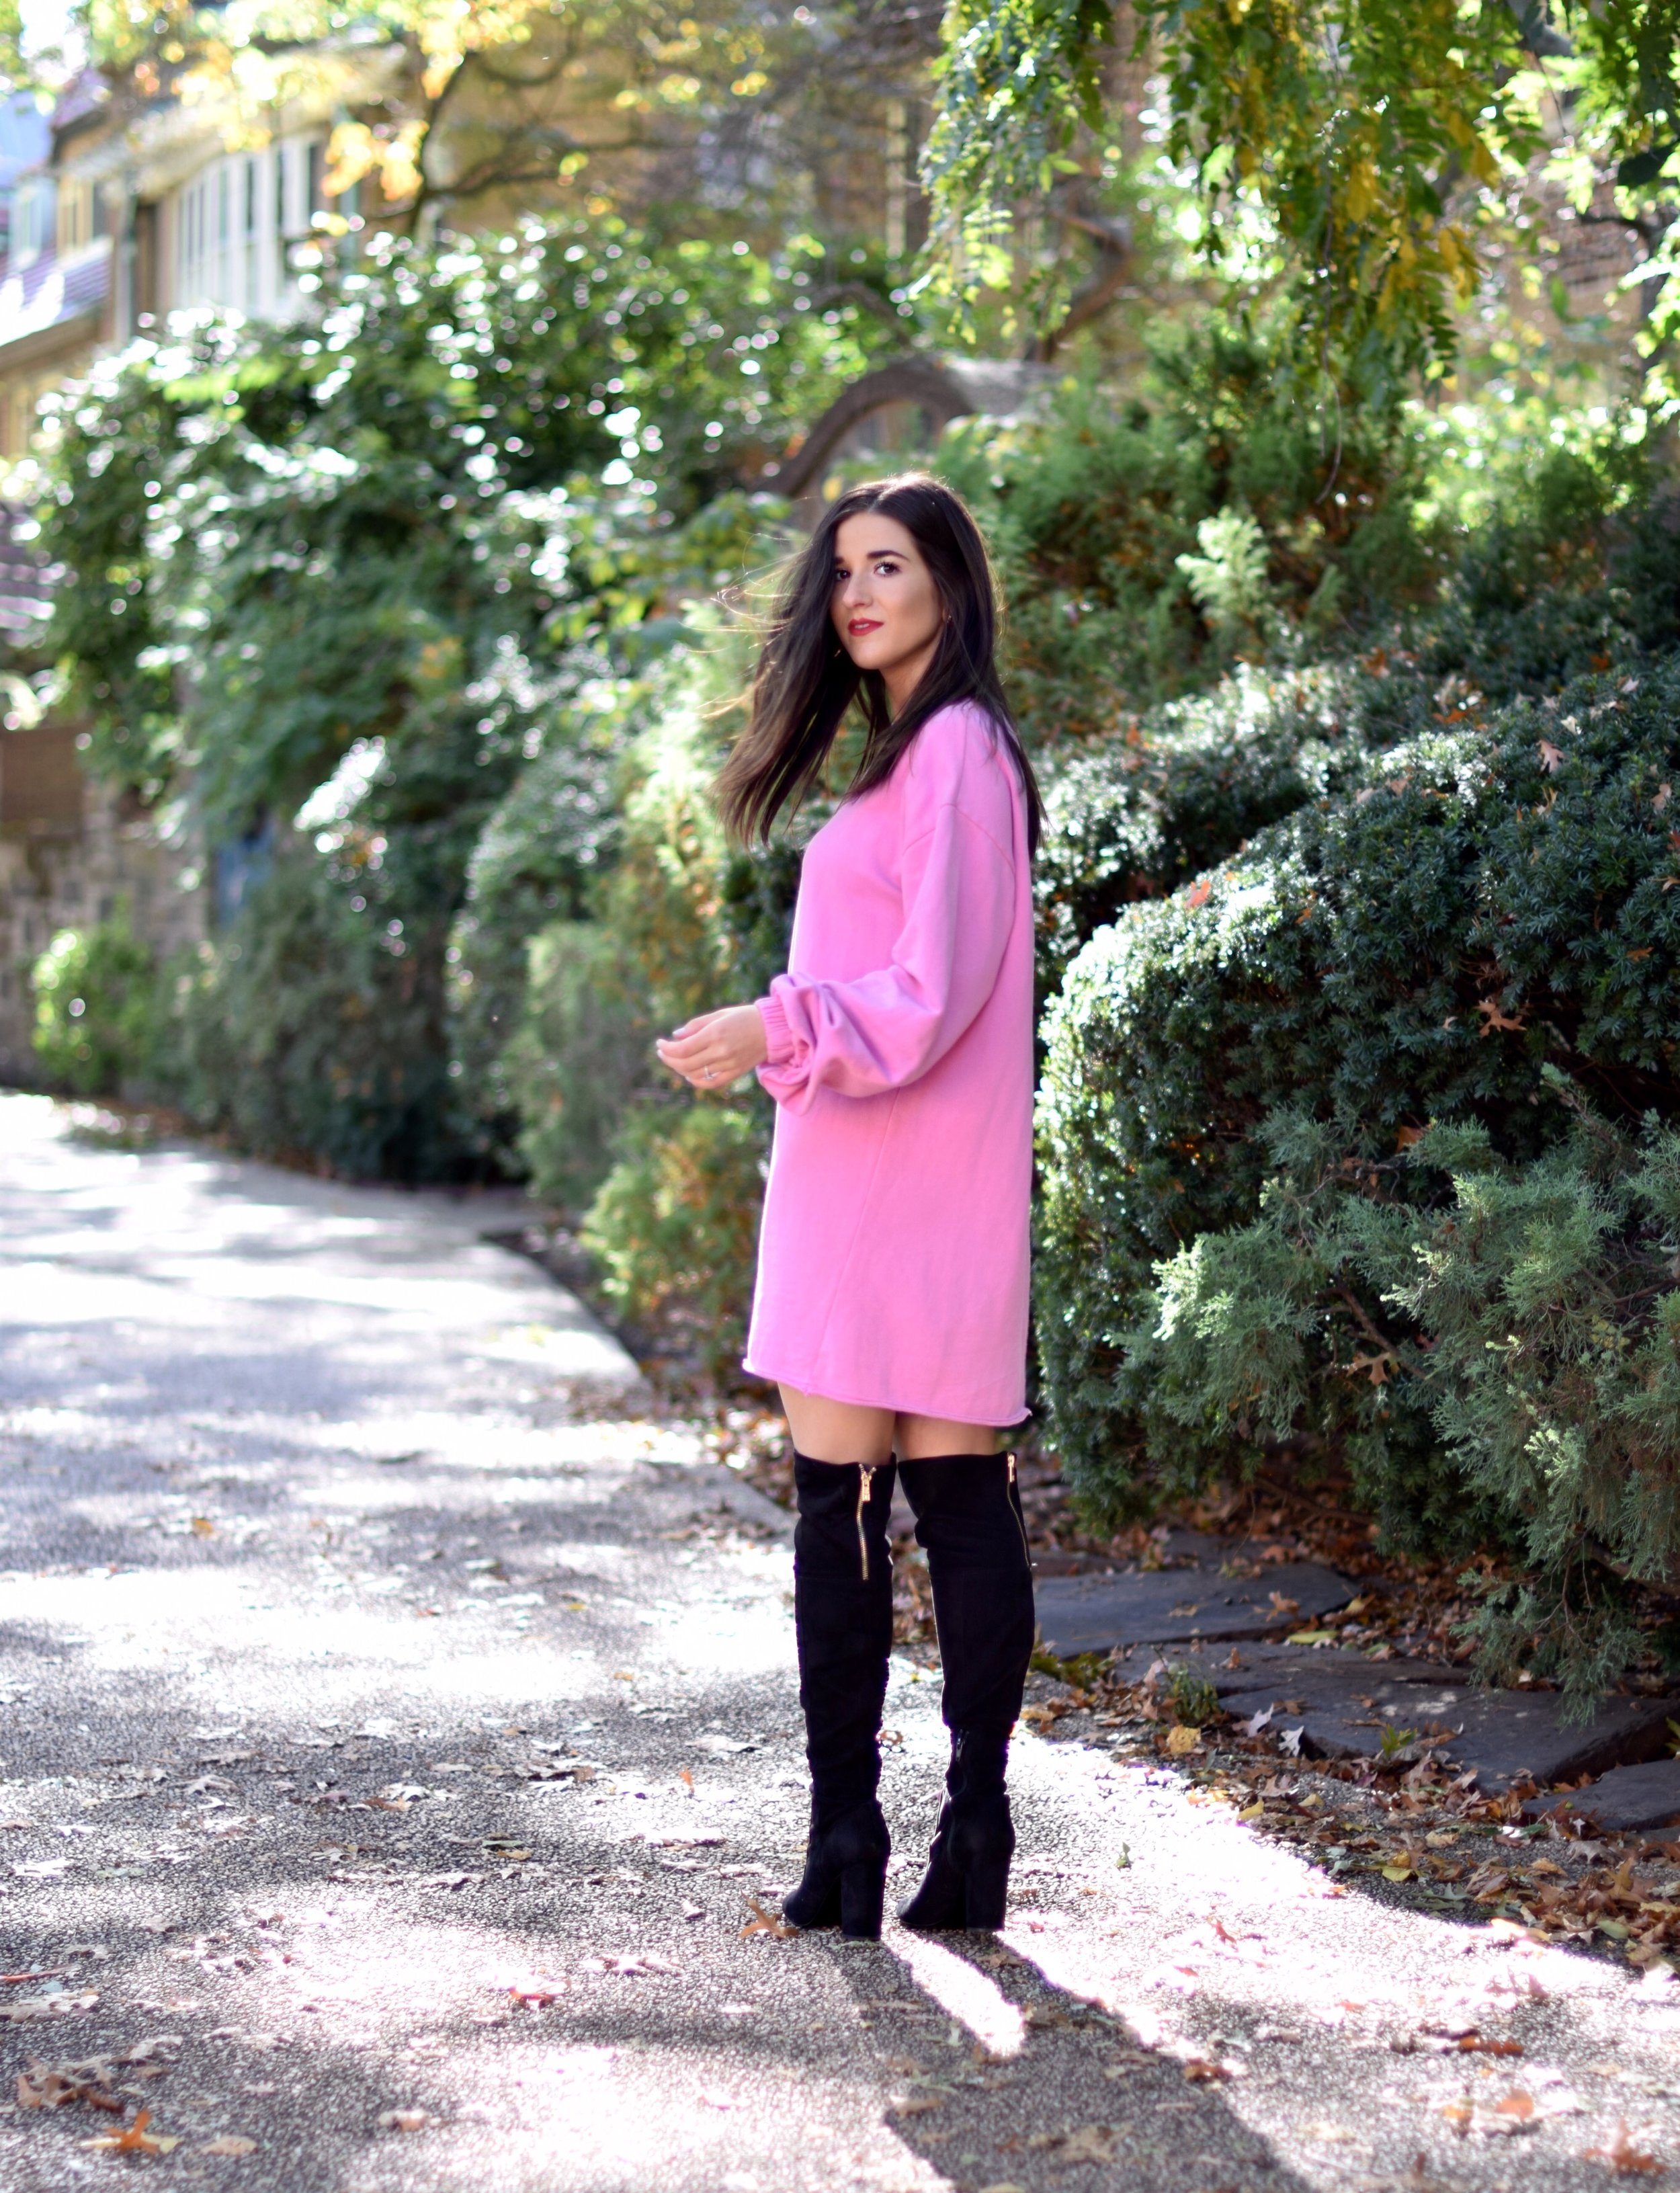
<point>1254,1662</point>
<point>1096,1613</point>
<point>1626,1799</point>
<point>1502,1735</point>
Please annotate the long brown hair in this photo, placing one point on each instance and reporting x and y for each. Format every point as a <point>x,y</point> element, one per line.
<point>806,681</point>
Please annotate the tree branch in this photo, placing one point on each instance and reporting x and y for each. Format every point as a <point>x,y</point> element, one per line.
<point>1097,292</point>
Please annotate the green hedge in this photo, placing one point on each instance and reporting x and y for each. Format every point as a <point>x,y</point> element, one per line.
<point>1496,1338</point>
<point>1578,568</point>
<point>1493,897</point>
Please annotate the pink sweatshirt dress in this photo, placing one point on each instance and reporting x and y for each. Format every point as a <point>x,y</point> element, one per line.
<point>893,1259</point>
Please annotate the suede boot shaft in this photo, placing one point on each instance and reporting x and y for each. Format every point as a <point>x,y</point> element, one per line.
<point>842,1615</point>
<point>968,1521</point>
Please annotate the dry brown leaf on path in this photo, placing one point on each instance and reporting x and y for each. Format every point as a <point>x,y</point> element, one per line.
<point>536,1994</point>
<point>1182,1739</point>
<point>135,2140</point>
<point>765,1922</point>
<point>228,2142</point>
<point>1622,2155</point>
<point>1091,2143</point>
<point>403,2119</point>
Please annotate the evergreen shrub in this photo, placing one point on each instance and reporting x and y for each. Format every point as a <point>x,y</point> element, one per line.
<point>1574,568</point>
<point>1143,544</point>
<point>1522,1330</point>
<point>1489,897</point>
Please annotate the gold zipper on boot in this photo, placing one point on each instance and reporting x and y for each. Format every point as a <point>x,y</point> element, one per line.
<point>1016,1511</point>
<point>865,1478</point>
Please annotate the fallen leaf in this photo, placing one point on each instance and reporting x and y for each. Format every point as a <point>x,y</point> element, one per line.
<point>1494,1016</point>
<point>1257,1721</point>
<point>229,2143</point>
<point>1181,1740</point>
<point>1091,2143</point>
<point>1552,757</point>
<point>1202,2072</point>
<point>536,1994</point>
<point>135,2140</point>
<point>1622,2155</point>
<point>1199,891</point>
<point>403,2119</point>
<point>765,1922</point>
<point>920,2105</point>
<point>1517,2105</point>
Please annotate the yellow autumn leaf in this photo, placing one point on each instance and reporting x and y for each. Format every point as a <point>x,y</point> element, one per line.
<point>1399,1872</point>
<point>1362,193</point>
<point>1181,1739</point>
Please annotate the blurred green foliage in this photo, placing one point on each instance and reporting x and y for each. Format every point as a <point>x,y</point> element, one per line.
<point>96,1008</point>
<point>360,580</point>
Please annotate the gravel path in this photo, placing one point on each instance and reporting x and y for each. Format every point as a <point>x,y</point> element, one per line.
<point>396,1728</point>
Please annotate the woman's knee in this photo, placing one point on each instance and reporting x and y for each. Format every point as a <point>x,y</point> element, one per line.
<point>837,1431</point>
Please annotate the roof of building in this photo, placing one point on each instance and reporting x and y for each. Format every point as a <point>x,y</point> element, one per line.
<point>52,290</point>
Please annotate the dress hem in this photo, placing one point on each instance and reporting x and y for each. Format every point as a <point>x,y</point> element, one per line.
<point>1020,1415</point>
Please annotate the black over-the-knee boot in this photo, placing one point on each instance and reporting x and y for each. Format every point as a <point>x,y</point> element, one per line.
<point>969,1520</point>
<point>843,1617</point>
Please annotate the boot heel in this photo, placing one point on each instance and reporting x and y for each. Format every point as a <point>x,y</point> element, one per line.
<point>986,1895</point>
<point>863,1891</point>
<point>939,1903</point>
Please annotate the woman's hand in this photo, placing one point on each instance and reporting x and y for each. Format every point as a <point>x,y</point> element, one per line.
<point>717,1048</point>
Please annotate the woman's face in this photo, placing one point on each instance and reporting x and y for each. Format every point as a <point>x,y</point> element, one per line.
<point>886,607</point>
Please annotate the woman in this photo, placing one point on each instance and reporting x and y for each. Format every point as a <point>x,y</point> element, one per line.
<point>891,1303</point>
